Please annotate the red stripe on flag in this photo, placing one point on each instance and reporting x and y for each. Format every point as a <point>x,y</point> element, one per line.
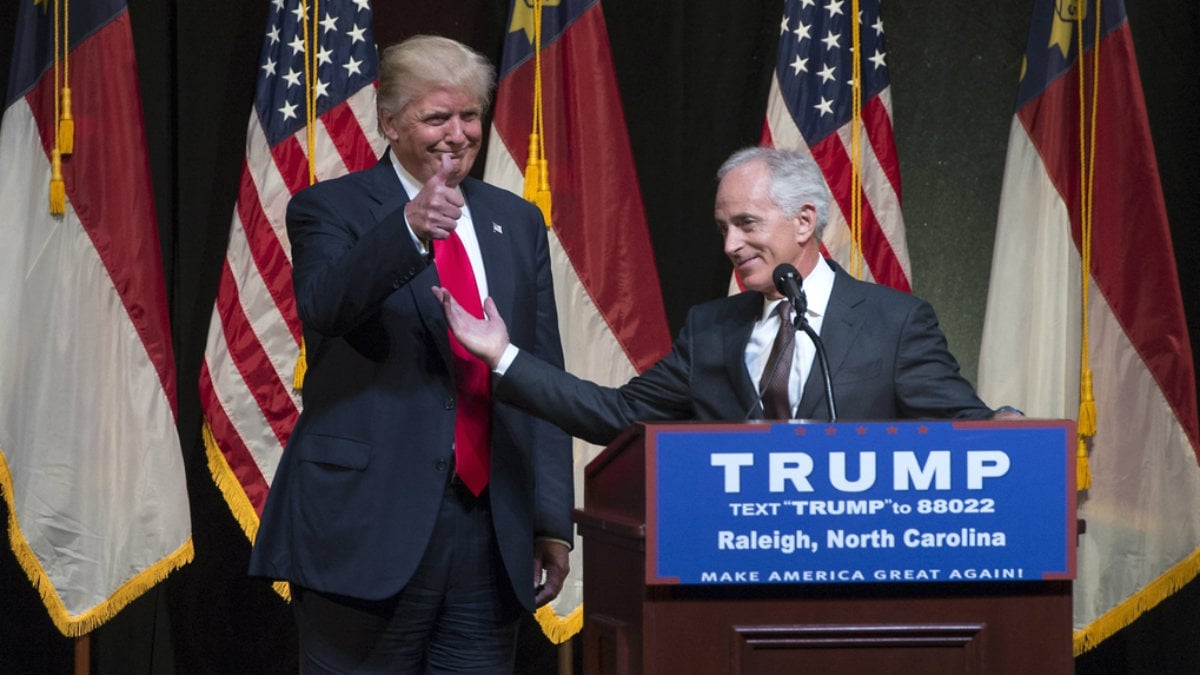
<point>1132,250</point>
<point>878,124</point>
<point>237,455</point>
<point>834,161</point>
<point>268,254</point>
<point>116,208</point>
<point>348,137</point>
<point>252,360</point>
<point>292,163</point>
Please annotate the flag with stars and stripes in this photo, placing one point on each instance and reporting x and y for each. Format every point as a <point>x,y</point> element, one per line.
<point>812,107</point>
<point>254,343</point>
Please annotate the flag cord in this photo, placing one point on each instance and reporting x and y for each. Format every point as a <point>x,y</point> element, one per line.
<point>58,189</point>
<point>66,122</point>
<point>537,170</point>
<point>856,243</point>
<point>311,36</point>
<point>1087,170</point>
<point>310,118</point>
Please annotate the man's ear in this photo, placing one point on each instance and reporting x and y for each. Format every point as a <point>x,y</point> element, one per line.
<point>806,222</point>
<point>387,123</point>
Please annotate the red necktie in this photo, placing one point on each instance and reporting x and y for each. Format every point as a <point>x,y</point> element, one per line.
<point>472,422</point>
<point>774,383</point>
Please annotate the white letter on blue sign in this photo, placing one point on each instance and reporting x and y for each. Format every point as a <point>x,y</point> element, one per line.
<point>733,463</point>
<point>985,464</point>
<point>866,472</point>
<point>793,466</point>
<point>936,470</point>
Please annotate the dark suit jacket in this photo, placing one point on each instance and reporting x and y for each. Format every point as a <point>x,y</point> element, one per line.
<point>354,499</point>
<point>888,358</point>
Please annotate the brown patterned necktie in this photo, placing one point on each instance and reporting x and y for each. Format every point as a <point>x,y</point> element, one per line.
<point>778,371</point>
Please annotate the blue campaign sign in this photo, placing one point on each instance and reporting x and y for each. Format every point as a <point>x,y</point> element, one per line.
<point>861,502</point>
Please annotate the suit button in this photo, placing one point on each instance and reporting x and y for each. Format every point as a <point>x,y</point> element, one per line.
<point>395,284</point>
<point>448,404</point>
<point>441,465</point>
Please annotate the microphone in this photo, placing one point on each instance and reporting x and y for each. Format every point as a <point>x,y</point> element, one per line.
<point>788,283</point>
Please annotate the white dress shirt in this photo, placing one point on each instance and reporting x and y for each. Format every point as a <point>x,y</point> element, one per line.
<point>817,287</point>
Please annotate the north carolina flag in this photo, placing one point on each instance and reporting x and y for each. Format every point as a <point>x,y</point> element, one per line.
<point>1143,507</point>
<point>90,460</point>
<point>610,309</point>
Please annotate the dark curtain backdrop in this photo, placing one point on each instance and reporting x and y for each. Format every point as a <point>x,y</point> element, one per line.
<point>693,76</point>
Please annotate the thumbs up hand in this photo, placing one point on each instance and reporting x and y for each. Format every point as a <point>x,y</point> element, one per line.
<point>434,212</point>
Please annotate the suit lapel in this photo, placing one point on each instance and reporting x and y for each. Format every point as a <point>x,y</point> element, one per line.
<point>385,188</point>
<point>843,320</point>
<point>744,314</point>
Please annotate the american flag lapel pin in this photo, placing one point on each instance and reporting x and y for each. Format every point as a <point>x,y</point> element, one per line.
<point>497,229</point>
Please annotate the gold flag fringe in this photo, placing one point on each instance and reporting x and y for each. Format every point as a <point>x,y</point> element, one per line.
<point>76,626</point>
<point>235,496</point>
<point>559,629</point>
<point>1137,604</point>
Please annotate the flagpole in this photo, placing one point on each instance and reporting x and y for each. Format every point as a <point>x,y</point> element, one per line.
<point>566,657</point>
<point>83,654</point>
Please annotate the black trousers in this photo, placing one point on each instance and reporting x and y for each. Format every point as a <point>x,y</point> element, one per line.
<point>458,614</point>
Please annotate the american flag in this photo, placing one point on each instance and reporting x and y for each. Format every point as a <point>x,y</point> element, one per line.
<point>254,339</point>
<point>810,108</point>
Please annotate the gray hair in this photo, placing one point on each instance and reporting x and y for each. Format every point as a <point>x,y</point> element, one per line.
<point>795,180</point>
<point>422,63</point>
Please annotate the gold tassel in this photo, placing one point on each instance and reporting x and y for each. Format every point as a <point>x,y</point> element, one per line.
<point>58,189</point>
<point>542,198</point>
<point>1086,430</point>
<point>1087,406</point>
<point>1083,472</point>
<point>301,368</point>
<point>66,125</point>
<point>533,178</point>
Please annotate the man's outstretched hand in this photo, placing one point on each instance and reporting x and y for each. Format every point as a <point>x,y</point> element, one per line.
<point>486,338</point>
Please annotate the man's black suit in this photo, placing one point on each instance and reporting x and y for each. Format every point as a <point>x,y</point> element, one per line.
<point>889,360</point>
<point>354,501</point>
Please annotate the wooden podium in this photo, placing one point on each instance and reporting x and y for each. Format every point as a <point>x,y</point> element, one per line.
<point>634,624</point>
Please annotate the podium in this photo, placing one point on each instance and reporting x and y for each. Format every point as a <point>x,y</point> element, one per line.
<point>787,548</point>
